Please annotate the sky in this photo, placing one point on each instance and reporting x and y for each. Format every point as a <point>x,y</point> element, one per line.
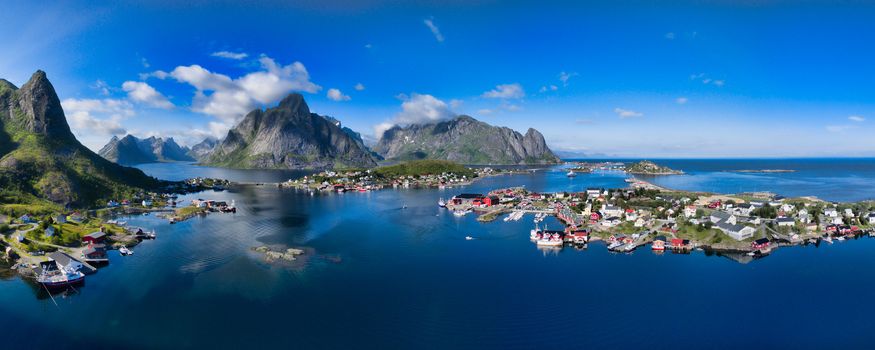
<point>609,79</point>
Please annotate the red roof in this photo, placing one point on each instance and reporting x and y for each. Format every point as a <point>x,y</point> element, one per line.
<point>677,241</point>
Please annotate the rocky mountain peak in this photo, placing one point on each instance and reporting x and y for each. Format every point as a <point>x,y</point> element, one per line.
<point>40,108</point>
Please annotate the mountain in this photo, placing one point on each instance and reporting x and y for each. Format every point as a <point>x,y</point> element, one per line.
<point>290,137</point>
<point>41,160</point>
<point>130,150</point>
<point>203,149</point>
<point>465,140</point>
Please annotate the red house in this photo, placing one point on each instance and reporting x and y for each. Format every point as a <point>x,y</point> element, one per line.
<point>94,237</point>
<point>490,201</point>
<point>761,243</point>
<point>595,217</point>
<point>715,204</point>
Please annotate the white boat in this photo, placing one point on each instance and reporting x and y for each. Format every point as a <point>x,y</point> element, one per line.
<point>125,251</point>
<point>441,203</point>
<point>550,242</point>
<point>468,238</point>
<point>460,212</point>
<point>53,276</point>
<point>840,238</point>
<point>571,173</point>
<point>614,245</point>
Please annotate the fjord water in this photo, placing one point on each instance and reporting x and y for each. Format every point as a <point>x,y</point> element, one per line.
<point>379,276</point>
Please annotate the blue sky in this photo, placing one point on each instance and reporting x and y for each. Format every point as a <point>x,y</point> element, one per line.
<point>697,79</point>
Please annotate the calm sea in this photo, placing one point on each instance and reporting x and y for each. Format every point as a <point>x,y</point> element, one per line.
<point>379,276</point>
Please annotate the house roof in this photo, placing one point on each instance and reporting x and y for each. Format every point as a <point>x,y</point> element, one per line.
<point>469,195</point>
<point>761,241</point>
<point>721,215</point>
<point>785,219</point>
<point>96,235</point>
<point>61,258</point>
<point>729,227</point>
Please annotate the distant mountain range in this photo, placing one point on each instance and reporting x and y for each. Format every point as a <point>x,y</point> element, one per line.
<point>465,140</point>
<point>289,136</point>
<point>131,150</point>
<point>41,160</point>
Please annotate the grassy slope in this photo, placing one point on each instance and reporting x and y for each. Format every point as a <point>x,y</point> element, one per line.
<point>423,167</point>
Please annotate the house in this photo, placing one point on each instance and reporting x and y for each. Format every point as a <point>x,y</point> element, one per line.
<point>95,253</point>
<point>737,232</point>
<point>593,192</point>
<point>744,209</point>
<point>689,211</point>
<point>490,201</point>
<point>50,231</point>
<point>836,220</point>
<point>761,243</point>
<point>682,244</point>
<point>871,218</point>
<point>94,237</point>
<point>147,203</point>
<point>612,210</point>
<point>595,217</point>
<point>631,215</point>
<point>467,199</point>
<point>715,204</point>
<point>611,221</point>
<point>849,213</point>
<point>622,238</point>
<point>811,227</point>
<point>787,207</point>
<point>640,222</point>
<point>658,243</point>
<point>804,218</point>
<point>59,219</point>
<point>76,217</point>
<point>112,204</point>
<point>65,261</point>
<point>830,212</point>
<point>721,216</point>
<point>579,236</point>
<point>785,221</point>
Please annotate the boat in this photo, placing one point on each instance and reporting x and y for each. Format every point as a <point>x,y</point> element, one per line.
<point>54,277</point>
<point>125,251</point>
<point>468,238</point>
<point>614,245</point>
<point>441,203</point>
<point>840,238</point>
<point>571,173</point>
<point>461,212</point>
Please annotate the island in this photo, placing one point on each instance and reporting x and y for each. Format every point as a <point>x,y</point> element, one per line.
<point>646,167</point>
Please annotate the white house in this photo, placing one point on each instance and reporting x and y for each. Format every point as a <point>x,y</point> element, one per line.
<point>50,231</point>
<point>787,207</point>
<point>785,221</point>
<point>744,209</point>
<point>612,210</point>
<point>737,232</point>
<point>611,221</point>
<point>849,213</point>
<point>830,212</point>
<point>871,218</point>
<point>718,217</point>
<point>690,211</point>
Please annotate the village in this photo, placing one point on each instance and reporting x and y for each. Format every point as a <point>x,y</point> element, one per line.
<point>371,180</point>
<point>59,249</point>
<point>644,214</point>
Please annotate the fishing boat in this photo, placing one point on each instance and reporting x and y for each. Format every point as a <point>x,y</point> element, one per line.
<point>571,173</point>
<point>535,233</point>
<point>468,238</point>
<point>441,203</point>
<point>52,276</point>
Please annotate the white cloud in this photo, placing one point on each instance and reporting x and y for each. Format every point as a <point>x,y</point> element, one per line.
<point>719,83</point>
<point>485,111</point>
<point>230,55</point>
<point>564,76</point>
<point>229,99</point>
<point>546,88</point>
<point>369,46</point>
<point>91,120</point>
<point>102,87</point>
<point>143,93</point>
<point>434,29</point>
<point>856,118</point>
<point>625,113</point>
<point>417,109</point>
<point>681,100</point>
<point>336,95</point>
<point>144,62</point>
<point>359,87</point>
<point>669,35</point>
<point>506,91</point>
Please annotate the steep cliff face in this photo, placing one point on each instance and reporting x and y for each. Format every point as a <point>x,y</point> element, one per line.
<point>131,150</point>
<point>40,159</point>
<point>465,140</point>
<point>203,149</point>
<point>289,136</point>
